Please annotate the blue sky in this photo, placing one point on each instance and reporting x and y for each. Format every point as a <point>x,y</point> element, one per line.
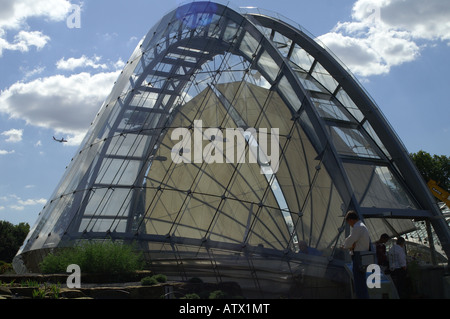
<point>54,76</point>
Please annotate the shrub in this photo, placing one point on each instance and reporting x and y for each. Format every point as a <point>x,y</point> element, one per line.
<point>104,258</point>
<point>160,278</point>
<point>58,262</point>
<point>218,294</point>
<point>153,280</point>
<point>149,281</point>
<point>5,267</point>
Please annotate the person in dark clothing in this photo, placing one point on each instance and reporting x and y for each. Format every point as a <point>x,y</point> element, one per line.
<point>382,258</point>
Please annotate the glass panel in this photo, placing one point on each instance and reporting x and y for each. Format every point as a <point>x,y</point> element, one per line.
<point>351,142</point>
<point>275,113</point>
<point>376,186</point>
<point>107,202</point>
<point>248,102</point>
<point>115,171</point>
<point>310,130</point>
<point>269,229</point>
<point>162,209</point>
<point>322,75</point>
<point>196,217</point>
<point>268,64</point>
<point>328,109</point>
<point>128,145</point>
<point>289,94</point>
<point>103,225</point>
<point>376,139</point>
<point>390,226</point>
<point>249,46</point>
<point>215,26</point>
<point>232,221</point>
<point>282,43</point>
<point>302,58</point>
<point>347,102</point>
<point>231,31</point>
<point>308,82</point>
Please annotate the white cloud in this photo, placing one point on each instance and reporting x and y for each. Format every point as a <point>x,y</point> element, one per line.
<point>422,19</point>
<point>13,16</point>
<point>14,13</point>
<point>384,33</point>
<point>4,152</point>
<point>32,202</point>
<point>66,104</point>
<point>24,40</point>
<point>29,74</point>
<point>119,64</point>
<point>13,135</point>
<point>14,202</point>
<point>82,62</point>
<point>356,54</point>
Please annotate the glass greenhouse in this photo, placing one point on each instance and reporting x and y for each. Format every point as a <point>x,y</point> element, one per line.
<point>230,148</point>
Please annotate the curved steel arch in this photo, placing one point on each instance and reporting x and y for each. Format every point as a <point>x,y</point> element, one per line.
<point>397,153</point>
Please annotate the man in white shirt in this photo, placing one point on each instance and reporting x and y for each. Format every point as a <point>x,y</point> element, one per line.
<point>357,241</point>
<point>397,265</point>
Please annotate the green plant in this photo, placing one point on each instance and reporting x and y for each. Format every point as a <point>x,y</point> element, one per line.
<point>5,267</point>
<point>153,280</point>
<point>160,278</point>
<point>38,293</point>
<point>218,294</point>
<point>58,262</point>
<point>29,283</point>
<point>7,284</point>
<point>54,291</point>
<point>149,281</point>
<point>104,258</point>
<point>46,292</point>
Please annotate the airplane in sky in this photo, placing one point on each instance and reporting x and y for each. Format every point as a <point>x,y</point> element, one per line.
<point>62,140</point>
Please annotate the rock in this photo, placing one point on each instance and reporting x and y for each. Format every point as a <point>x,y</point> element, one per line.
<point>5,290</point>
<point>72,293</point>
<point>107,293</point>
<point>23,291</point>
